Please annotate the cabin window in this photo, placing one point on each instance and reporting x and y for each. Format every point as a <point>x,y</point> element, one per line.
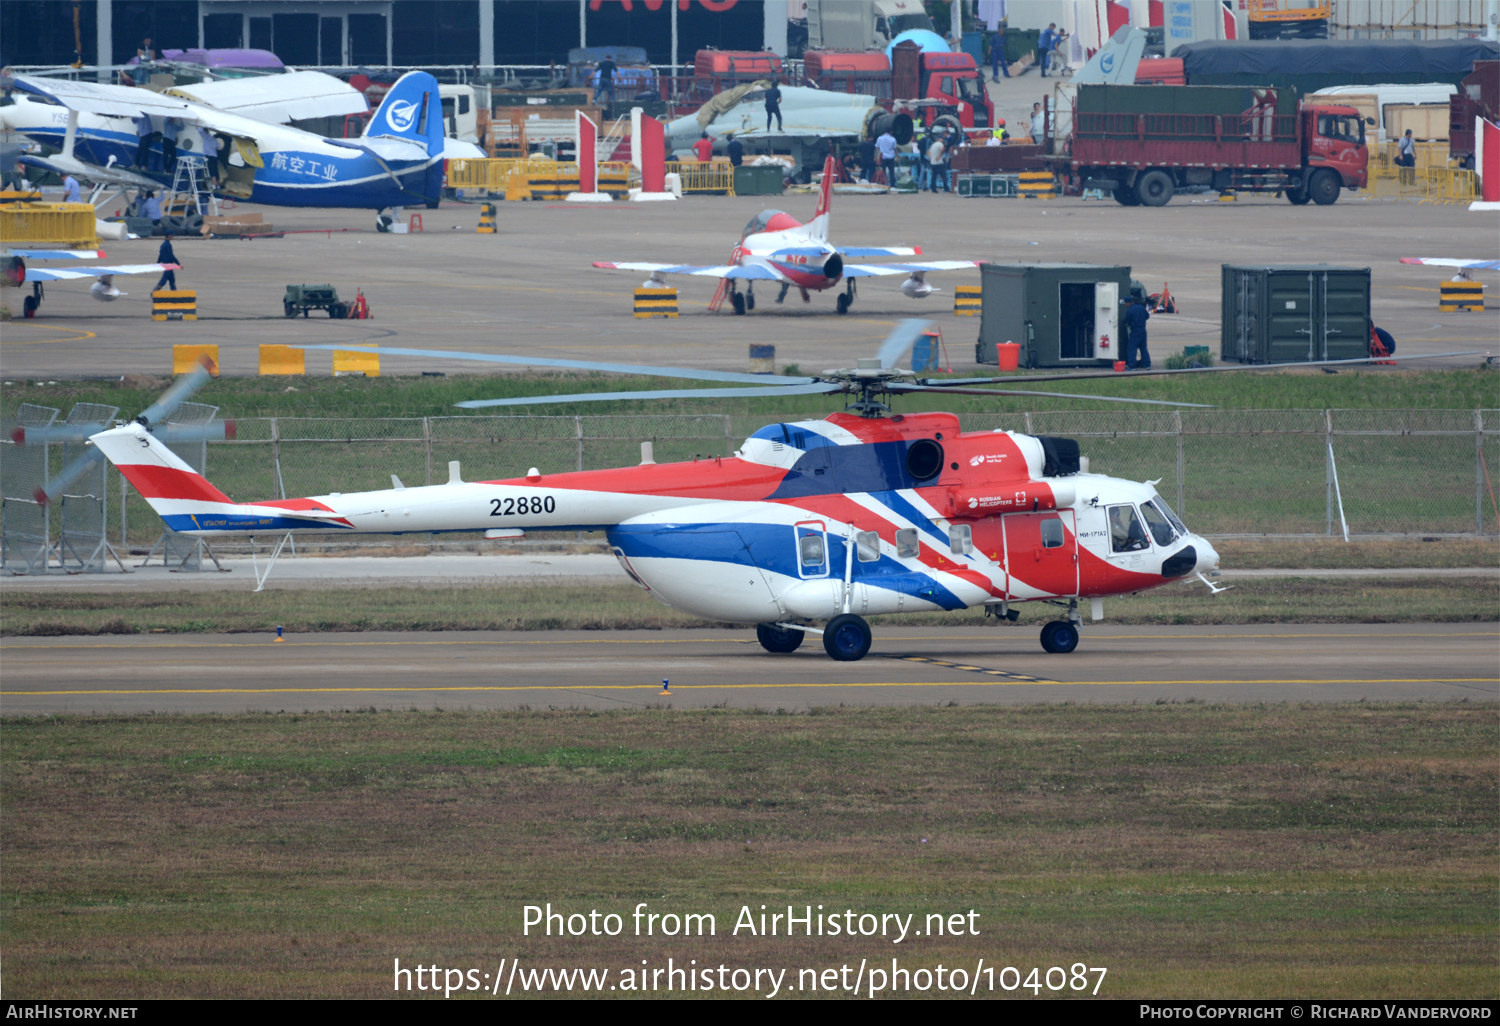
<point>811,547</point>
<point>907,545</point>
<point>867,546</point>
<point>960,539</point>
<point>1052,533</point>
<point>1125,531</point>
<point>1347,128</point>
<point>1161,527</point>
<point>947,86</point>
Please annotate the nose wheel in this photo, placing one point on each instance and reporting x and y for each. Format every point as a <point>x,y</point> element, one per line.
<point>1059,637</point>
<point>846,298</point>
<point>778,639</point>
<point>737,300</point>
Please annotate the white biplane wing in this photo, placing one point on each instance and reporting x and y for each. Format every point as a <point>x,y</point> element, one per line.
<point>278,99</point>
<point>73,273</point>
<point>752,272</point>
<point>108,100</point>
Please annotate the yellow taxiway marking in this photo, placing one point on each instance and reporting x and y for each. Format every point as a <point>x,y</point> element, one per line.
<point>688,641</point>
<point>735,687</point>
<point>79,337</point>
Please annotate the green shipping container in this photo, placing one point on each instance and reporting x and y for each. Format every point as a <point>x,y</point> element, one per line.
<point>1063,315</point>
<point>1225,101</point>
<point>1295,313</point>
<point>760,180</point>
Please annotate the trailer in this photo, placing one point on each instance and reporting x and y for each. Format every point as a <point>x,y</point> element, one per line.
<point>1478,97</point>
<point>1143,143</point>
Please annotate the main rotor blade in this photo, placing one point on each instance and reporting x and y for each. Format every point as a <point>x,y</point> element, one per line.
<point>177,394</point>
<point>897,386</point>
<point>1127,375</point>
<point>821,388</point>
<point>86,461</point>
<point>59,434</point>
<point>900,341</point>
<point>531,361</point>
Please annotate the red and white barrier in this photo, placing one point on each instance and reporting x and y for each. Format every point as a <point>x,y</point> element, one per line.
<point>648,152</point>
<point>1487,164</point>
<point>588,162</point>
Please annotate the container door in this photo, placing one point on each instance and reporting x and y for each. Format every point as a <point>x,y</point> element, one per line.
<point>1344,314</point>
<point>1107,321</point>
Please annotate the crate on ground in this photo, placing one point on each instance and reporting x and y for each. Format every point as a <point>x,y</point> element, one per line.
<point>174,305</point>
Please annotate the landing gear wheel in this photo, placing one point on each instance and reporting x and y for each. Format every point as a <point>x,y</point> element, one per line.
<point>778,639</point>
<point>1324,188</point>
<point>29,305</point>
<point>842,303</point>
<point>737,299</point>
<point>846,638</point>
<point>750,298</point>
<point>1155,189</point>
<point>1060,637</point>
<point>382,223</point>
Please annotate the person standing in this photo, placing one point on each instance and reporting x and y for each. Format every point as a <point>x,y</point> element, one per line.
<point>1136,316</point>
<point>998,63</point>
<point>151,209</point>
<point>70,190</point>
<point>736,151</point>
<point>1407,161</point>
<point>1044,46</point>
<point>1038,123</point>
<point>144,134</point>
<point>166,256</point>
<point>936,154</point>
<point>606,83</point>
<point>1059,55</point>
<point>703,149</point>
<point>885,145</point>
<point>169,129</point>
<point>773,105</point>
<point>146,53</point>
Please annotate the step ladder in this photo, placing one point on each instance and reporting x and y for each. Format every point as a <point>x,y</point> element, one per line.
<point>190,177</point>
<point>722,293</point>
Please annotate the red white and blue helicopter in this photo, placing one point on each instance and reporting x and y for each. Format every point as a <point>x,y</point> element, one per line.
<point>808,523</point>
<point>777,247</point>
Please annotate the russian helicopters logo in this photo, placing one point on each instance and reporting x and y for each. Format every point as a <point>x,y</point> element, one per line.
<point>401,115</point>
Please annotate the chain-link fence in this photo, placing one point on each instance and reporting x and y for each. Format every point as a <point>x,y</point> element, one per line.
<point>1227,471</point>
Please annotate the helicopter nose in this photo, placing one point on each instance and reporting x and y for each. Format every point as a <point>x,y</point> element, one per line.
<point>1208,556</point>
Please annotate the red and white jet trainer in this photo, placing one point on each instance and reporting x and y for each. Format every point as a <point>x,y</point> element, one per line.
<point>15,273</point>
<point>776,247</point>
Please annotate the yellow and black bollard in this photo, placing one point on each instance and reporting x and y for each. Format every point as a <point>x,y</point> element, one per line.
<point>486,219</point>
<point>1460,294</point>
<point>968,300</point>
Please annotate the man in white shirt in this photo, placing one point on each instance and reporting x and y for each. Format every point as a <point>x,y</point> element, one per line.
<point>1038,123</point>
<point>935,159</point>
<point>885,145</point>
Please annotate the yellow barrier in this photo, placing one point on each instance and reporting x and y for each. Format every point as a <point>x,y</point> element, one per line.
<point>968,300</point>
<point>1424,184</point>
<point>282,360</point>
<point>1454,296</point>
<point>1428,154</point>
<point>486,219</point>
<point>186,359</point>
<point>352,361</point>
<point>1037,185</point>
<point>63,225</point>
<point>656,303</point>
<point>174,304</point>
<point>717,176</point>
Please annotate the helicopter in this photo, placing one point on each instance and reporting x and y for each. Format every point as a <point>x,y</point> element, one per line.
<point>809,527</point>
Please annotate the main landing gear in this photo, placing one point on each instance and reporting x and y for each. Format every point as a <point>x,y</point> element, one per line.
<point>1061,636</point>
<point>742,301</point>
<point>846,298</point>
<point>846,638</point>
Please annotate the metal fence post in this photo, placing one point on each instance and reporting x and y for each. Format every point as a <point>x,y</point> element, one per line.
<point>427,446</point>
<point>728,437</point>
<point>1479,472</point>
<point>1181,489</point>
<point>1029,431</point>
<point>276,456</point>
<point>578,431</point>
<point>1328,471</point>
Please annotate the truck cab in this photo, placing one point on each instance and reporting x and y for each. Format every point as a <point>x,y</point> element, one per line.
<point>1334,138</point>
<point>953,80</point>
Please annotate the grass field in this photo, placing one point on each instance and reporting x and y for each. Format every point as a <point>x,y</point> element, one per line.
<point>1192,850</point>
<point>609,606</point>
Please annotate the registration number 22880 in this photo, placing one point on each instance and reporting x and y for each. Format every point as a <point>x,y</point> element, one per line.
<point>521,505</point>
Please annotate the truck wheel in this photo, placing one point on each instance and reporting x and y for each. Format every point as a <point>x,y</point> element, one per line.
<point>1155,189</point>
<point>1297,197</point>
<point>1125,195</point>
<point>1324,188</point>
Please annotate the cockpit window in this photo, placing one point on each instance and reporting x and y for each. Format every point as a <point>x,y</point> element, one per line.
<point>1161,527</point>
<point>1172,518</point>
<point>1125,531</point>
<point>759,221</point>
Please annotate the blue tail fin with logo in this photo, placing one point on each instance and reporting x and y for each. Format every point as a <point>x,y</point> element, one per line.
<point>412,110</point>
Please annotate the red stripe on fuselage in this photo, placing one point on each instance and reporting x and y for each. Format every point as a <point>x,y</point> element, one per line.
<point>803,279</point>
<point>170,483</point>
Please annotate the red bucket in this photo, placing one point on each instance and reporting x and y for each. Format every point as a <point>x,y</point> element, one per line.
<point>1119,366</point>
<point>1009,355</point>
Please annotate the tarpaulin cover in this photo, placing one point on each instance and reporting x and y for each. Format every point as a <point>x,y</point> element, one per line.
<point>1422,60</point>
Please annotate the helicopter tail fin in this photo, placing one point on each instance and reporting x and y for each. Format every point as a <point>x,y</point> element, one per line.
<point>162,477</point>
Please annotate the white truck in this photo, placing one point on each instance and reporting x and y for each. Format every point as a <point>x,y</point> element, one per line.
<point>862,24</point>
